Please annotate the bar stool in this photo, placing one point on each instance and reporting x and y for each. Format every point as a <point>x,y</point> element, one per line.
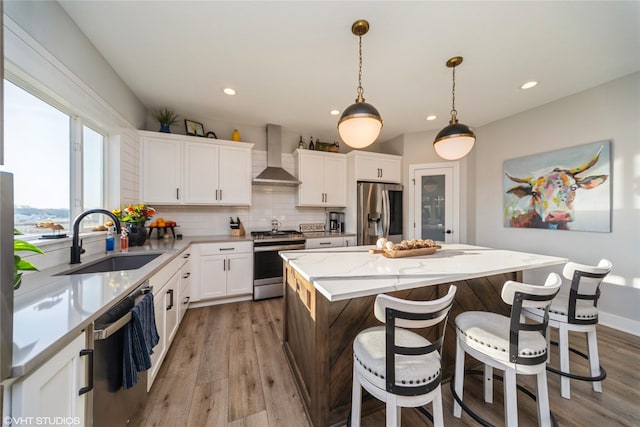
<point>507,344</point>
<point>398,366</point>
<point>577,312</point>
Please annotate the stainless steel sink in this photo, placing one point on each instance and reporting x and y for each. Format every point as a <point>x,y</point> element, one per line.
<point>118,262</point>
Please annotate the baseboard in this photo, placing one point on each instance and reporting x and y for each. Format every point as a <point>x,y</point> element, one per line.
<point>620,323</point>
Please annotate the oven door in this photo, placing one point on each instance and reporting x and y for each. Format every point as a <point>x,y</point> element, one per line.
<point>267,268</point>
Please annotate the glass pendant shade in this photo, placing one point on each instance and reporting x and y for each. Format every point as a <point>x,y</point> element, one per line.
<point>454,141</point>
<point>360,125</point>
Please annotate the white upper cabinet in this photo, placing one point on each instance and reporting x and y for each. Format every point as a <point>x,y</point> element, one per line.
<point>179,169</point>
<point>323,177</point>
<point>161,170</point>
<point>376,167</point>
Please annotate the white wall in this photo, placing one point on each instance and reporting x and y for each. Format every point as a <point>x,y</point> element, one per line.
<point>48,24</point>
<point>607,112</point>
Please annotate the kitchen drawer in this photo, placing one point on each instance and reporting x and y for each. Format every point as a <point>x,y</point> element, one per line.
<point>225,248</point>
<point>324,242</point>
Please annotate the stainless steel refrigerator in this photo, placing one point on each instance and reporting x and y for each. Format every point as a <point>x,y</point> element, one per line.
<point>379,212</point>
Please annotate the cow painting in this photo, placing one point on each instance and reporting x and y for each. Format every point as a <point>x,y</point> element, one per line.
<point>549,197</point>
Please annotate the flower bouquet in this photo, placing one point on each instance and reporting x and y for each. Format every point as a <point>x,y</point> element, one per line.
<point>134,213</point>
<point>134,217</point>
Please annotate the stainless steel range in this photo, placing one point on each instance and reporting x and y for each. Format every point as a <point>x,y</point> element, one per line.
<point>267,264</point>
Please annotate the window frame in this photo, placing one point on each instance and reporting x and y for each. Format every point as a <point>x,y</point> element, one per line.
<point>76,123</point>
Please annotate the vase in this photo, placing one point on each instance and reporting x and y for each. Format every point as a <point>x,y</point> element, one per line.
<point>165,128</point>
<point>235,136</point>
<point>137,233</point>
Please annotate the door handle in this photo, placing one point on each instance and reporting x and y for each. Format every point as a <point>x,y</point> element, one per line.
<point>229,264</point>
<point>220,194</point>
<point>186,276</point>
<point>177,194</point>
<point>89,387</point>
<point>449,231</point>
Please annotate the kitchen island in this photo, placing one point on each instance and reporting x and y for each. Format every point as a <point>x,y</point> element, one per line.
<point>329,296</point>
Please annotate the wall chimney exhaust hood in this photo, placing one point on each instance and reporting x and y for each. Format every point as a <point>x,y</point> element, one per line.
<point>274,174</point>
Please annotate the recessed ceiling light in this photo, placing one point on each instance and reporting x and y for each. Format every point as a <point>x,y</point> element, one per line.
<point>229,91</point>
<point>529,85</point>
<point>431,117</point>
<point>334,112</point>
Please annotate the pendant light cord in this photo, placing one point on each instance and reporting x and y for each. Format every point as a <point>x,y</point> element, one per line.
<point>454,113</point>
<point>360,97</point>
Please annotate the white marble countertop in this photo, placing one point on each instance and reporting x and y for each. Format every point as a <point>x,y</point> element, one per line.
<point>352,272</point>
<point>50,311</point>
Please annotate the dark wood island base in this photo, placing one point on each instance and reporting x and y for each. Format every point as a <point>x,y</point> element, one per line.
<point>318,337</point>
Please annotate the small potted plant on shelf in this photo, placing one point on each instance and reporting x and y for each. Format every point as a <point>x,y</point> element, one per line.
<point>166,117</point>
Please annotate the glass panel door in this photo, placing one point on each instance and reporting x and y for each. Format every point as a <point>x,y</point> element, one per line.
<point>434,212</point>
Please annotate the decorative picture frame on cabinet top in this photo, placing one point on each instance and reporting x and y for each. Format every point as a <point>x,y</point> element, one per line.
<point>193,128</point>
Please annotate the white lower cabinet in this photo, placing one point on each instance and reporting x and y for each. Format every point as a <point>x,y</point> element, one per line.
<point>52,391</point>
<point>224,269</point>
<point>349,240</point>
<point>165,286</point>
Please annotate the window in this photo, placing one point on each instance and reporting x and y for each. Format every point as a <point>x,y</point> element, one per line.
<point>48,167</point>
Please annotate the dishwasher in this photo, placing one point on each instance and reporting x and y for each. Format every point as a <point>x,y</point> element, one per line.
<point>114,406</point>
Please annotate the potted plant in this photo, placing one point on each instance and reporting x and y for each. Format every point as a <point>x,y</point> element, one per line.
<point>166,117</point>
<point>20,264</point>
<point>134,217</point>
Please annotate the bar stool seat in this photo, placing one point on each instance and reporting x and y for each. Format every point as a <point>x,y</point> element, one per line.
<point>396,365</point>
<point>485,332</point>
<point>576,312</point>
<point>507,344</point>
<point>369,352</point>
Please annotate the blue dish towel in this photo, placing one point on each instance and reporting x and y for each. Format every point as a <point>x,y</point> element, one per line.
<point>140,336</point>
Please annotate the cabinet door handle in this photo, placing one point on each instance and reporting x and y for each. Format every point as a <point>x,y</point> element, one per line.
<point>170,292</point>
<point>186,300</point>
<point>89,387</point>
<point>229,264</point>
<point>227,249</point>
<point>177,194</point>
<point>186,276</point>
<point>220,194</point>
<point>186,255</point>
<point>325,243</point>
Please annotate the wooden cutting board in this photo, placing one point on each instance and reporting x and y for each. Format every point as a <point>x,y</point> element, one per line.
<point>410,252</point>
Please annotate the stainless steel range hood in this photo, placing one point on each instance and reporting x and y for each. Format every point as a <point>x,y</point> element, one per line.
<point>274,174</point>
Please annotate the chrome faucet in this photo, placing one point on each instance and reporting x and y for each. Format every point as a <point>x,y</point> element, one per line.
<point>76,247</point>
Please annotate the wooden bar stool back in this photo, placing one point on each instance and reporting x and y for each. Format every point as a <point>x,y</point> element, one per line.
<point>577,312</point>
<point>507,344</point>
<point>399,366</point>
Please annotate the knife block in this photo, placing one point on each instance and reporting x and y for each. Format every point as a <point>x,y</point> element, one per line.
<point>236,232</point>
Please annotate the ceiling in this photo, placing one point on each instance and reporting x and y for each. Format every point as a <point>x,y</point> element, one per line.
<point>292,62</point>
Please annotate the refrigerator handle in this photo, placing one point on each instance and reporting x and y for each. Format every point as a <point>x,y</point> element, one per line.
<point>386,217</point>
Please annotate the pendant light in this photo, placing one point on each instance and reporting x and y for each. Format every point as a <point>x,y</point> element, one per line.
<point>456,140</point>
<point>360,123</point>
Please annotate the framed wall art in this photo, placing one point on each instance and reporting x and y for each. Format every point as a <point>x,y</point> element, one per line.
<point>194,128</point>
<point>567,189</point>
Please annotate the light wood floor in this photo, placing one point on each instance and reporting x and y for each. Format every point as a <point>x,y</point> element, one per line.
<point>226,368</point>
